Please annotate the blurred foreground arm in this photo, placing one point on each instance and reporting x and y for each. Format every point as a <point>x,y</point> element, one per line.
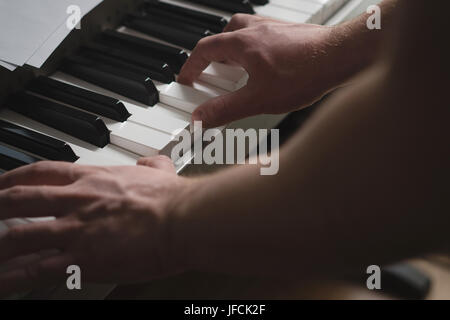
<point>365,182</point>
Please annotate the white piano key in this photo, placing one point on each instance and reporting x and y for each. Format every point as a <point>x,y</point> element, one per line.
<point>182,97</point>
<point>134,137</point>
<point>89,154</point>
<point>225,76</point>
<point>195,6</point>
<point>330,7</point>
<point>208,88</point>
<point>282,14</point>
<point>312,8</point>
<point>138,139</point>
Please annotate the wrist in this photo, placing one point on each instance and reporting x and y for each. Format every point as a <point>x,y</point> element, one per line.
<point>352,50</point>
<point>182,221</point>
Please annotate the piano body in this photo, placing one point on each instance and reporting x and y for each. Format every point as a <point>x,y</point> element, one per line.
<point>107,95</point>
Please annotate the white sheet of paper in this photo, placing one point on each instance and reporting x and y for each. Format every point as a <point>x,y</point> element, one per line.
<point>9,66</point>
<point>47,48</point>
<point>27,25</point>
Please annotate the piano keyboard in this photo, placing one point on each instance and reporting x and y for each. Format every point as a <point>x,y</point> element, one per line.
<point>117,99</point>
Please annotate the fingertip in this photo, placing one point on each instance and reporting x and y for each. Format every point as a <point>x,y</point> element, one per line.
<point>198,115</point>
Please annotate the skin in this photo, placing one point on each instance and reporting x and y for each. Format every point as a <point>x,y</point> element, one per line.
<point>364,182</point>
<point>280,58</point>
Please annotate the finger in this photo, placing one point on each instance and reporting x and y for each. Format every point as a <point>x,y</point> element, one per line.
<point>226,108</point>
<point>43,173</point>
<point>43,273</point>
<point>216,48</point>
<point>35,237</point>
<point>36,201</point>
<point>159,162</point>
<point>239,21</point>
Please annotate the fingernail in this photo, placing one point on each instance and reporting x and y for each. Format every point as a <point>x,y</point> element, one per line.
<point>197,116</point>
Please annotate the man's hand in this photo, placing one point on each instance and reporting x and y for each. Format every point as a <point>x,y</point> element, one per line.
<point>290,66</point>
<point>113,222</point>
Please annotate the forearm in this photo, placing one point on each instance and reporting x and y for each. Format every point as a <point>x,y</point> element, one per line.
<point>354,189</point>
<point>358,47</point>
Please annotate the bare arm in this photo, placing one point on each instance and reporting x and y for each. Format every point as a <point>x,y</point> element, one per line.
<point>364,183</point>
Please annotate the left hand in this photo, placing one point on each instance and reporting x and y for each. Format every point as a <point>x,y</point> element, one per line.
<point>115,223</point>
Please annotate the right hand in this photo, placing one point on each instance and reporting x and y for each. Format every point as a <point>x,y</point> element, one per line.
<point>290,66</point>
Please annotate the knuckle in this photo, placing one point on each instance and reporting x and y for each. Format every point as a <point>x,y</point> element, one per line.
<point>238,19</point>
<point>212,41</point>
<point>14,193</point>
<point>39,167</point>
<point>202,43</point>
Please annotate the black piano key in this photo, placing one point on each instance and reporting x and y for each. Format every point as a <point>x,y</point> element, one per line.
<point>80,124</point>
<point>193,17</point>
<point>80,98</point>
<point>124,65</point>
<point>174,57</point>
<point>176,23</point>
<point>34,142</point>
<point>233,6</point>
<point>124,82</point>
<point>164,32</point>
<point>260,2</point>
<point>11,159</point>
<point>156,69</point>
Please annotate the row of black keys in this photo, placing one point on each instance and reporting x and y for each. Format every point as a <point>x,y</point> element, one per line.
<point>126,64</point>
<point>121,63</point>
<point>118,62</point>
<point>182,26</point>
<point>86,126</point>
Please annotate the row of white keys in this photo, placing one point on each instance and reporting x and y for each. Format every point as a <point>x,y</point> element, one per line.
<point>160,117</point>
<point>88,154</point>
<point>330,7</point>
<point>199,7</point>
<point>309,7</point>
<point>135,138</point>
<point>282,13</point>
<point>177,103</point>
<point>269,10</point>
<point>143,134</point>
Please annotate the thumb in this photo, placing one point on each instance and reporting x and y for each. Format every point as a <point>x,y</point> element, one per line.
<point>226,108</point>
